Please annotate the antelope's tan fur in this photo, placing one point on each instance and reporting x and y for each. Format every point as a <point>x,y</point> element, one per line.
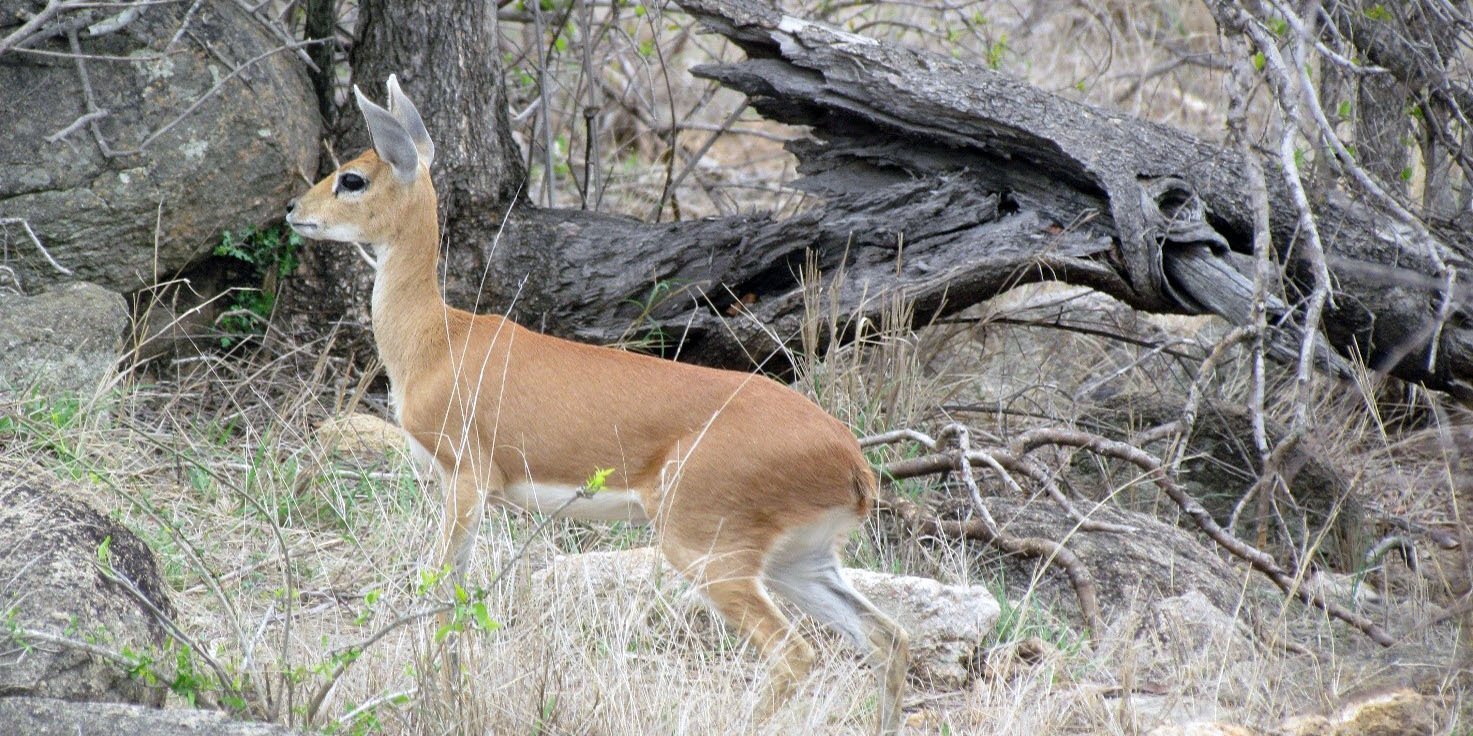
<point>750,485</point>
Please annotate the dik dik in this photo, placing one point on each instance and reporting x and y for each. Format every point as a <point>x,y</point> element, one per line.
<point>750,486</point>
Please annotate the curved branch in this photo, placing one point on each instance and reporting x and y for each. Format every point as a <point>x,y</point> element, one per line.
<point>1260,560</point>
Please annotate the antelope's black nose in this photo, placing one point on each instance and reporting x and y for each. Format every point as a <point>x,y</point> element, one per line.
<point>291,205</point>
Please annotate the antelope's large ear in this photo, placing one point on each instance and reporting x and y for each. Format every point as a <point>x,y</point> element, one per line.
<point>392,142</point>
<point>408,116</point>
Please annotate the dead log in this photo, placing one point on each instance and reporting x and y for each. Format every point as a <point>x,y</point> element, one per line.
<point>944,184</point>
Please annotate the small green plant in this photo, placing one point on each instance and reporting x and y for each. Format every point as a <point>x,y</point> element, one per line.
<point>469,609</point>
<point>597,480</point>
<point>1023,619</point>
<point>50,423</point>
<point>996,51</point>
<point>271,253</point>
<point>644,333</point>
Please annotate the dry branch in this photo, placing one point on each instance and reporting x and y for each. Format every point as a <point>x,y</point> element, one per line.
<point>961,458</point>
<point>1260,560</point>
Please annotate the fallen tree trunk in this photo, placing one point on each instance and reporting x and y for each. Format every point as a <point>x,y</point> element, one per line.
<point>944,184</point>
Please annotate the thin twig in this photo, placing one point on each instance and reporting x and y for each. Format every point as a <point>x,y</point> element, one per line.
<point>23,34</point>
<point>82,120</point>
<point>1260,560</point>
<point>36,242</point>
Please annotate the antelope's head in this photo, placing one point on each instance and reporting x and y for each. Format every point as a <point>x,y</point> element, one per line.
<point>374,197</point>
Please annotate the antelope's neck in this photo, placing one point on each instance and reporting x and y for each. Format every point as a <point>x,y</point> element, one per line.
<point>408,311</point>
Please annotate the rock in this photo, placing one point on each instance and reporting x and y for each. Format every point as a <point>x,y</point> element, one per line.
<point>947,623</point>
<point>1189,623</point>
<point>1395,713</point>
<point>68,340</point>
<point>50,582</point>
<point>1202,728</point>
<point>230,164</point>
<point>51,717</point>
<point>1189,633</point>
<point>361,435</point>
<point>1157,561</point>
<point>1399,712</point>
<point>1306,726</point>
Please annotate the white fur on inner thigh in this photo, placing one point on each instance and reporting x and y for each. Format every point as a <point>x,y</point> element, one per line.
<point>804,568</point>
<point>604,505</point>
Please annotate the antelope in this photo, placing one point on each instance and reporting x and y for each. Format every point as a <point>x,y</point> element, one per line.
<point>750,486</point>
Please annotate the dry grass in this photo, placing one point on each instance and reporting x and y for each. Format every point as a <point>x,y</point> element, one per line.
<point>282,555</point>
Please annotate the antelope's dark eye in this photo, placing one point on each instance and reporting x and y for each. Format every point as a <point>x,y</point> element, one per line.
<point>351,183</point>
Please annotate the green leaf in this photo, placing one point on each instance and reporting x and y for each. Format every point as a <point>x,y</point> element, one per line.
<point>1406,174</point>
<point>1343,110</point>
<point>598,480</point>
<point>1378,12</point>
<point>1259,61</point>
<point>104,552</point>
<point>482,617</point>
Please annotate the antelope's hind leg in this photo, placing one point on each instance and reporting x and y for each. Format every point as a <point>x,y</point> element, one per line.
<point>806,572</point>
<point>732,582</point>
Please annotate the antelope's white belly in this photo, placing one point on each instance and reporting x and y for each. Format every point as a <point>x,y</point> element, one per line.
<point>563,501</point>
<point>551,498</point>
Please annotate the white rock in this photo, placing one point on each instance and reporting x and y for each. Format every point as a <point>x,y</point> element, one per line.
<point>947,623</point>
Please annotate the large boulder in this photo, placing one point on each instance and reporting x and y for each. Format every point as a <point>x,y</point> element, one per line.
<point>1219,465</point>
<point>49,717</point>
<point>67,340</point>
<point>59,604</point>
<point>949,625</point>
<point>128,220</point>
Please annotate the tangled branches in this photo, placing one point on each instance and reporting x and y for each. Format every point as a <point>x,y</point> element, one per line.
<point>952,451</point>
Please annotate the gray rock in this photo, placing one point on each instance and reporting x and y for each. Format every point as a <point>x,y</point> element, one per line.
<point>1159,560</point>
<point>50,582</point>
<point>49,717</point>
<point>231,163</point>
<point>67,340</point>
<point>1187,624</point>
